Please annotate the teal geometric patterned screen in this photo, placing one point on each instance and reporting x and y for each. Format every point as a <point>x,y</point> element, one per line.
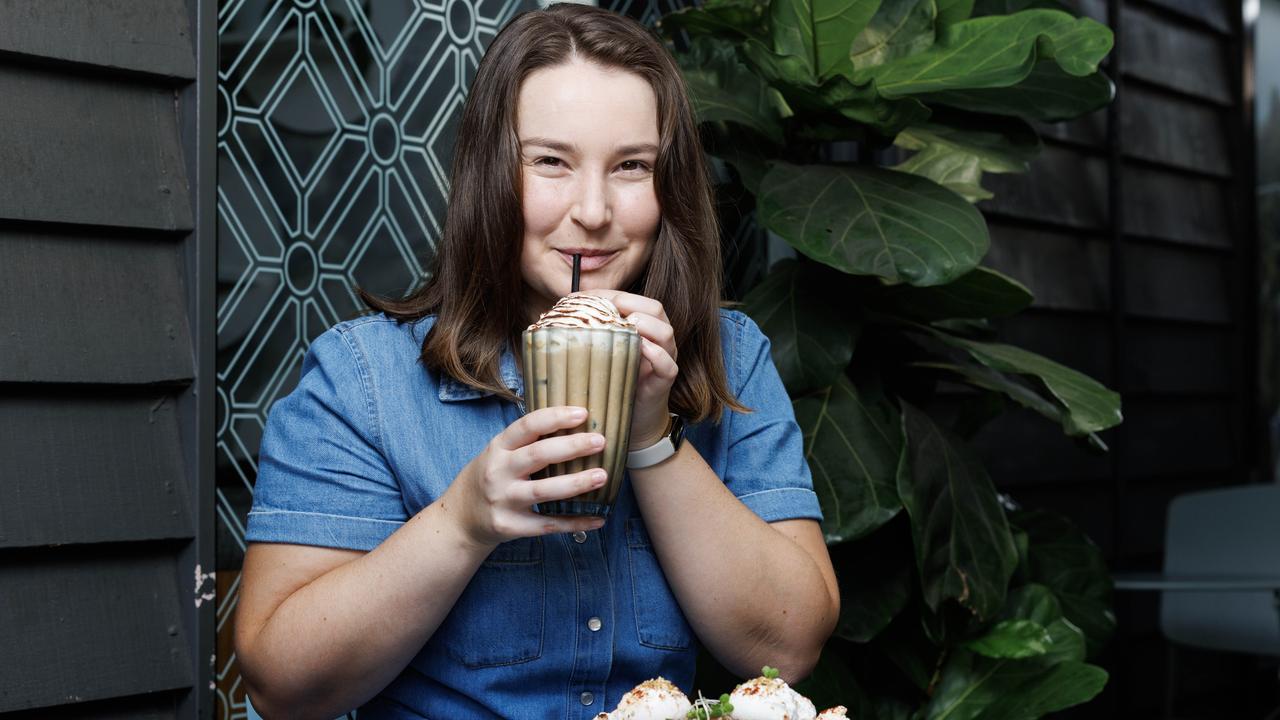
<point>335,136</point>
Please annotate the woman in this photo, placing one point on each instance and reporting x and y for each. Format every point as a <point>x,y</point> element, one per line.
<point>395,562</point>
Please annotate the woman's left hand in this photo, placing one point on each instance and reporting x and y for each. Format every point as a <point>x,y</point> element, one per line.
<point>658,367</point>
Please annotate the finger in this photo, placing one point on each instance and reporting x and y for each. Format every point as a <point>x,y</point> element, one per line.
<point>561,448</point>
<point>661,363</point>
<point>531,524</point>
<point>541,422</point>
<point>655,330</point>
<point>628,303</point>
<point>560,487</point>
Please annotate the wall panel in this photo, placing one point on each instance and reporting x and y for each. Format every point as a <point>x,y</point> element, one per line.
<point>91,466</point>
<point>111,310</point>
<point>89,624</point>
<point>105,382</point>
<point>149,36</point>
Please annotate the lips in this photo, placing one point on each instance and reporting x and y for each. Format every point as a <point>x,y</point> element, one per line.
<point>591,259</point>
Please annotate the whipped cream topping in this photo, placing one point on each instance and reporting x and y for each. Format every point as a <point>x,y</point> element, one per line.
<point>770,699</point>
<point>838,712</point>
<point>656,699</point>
<point>582,311</point>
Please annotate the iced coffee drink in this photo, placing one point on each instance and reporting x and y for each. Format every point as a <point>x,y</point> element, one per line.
<point>582,352</point>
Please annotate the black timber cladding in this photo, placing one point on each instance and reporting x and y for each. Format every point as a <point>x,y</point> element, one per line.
<point>1132,233</point>
<point>104,287</point>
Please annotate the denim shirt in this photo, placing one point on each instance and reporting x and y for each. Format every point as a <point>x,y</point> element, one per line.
<point>549,627</point>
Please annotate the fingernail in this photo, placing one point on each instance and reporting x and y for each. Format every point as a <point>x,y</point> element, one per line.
<point>578,413</point>
<point>598,477</point>
<point>597,441</point>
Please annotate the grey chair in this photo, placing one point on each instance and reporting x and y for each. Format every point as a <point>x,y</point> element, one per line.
<point>1220,589</point>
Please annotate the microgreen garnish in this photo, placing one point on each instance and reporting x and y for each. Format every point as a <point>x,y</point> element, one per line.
<point>769,672</point>
<point>704,709</point>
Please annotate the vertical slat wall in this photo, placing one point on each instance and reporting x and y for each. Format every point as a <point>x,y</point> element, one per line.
<point>100,305</point>
<point>1136,244</point>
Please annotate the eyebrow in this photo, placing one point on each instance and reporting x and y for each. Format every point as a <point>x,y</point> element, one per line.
<point>570,148</point>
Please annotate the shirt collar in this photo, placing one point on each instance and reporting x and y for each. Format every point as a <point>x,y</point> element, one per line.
<point>452,390</point>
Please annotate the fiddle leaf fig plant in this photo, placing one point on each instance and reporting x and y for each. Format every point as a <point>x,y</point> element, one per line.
<point>859,133</point>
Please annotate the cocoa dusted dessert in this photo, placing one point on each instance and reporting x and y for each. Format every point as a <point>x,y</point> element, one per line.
<point>767,697</point>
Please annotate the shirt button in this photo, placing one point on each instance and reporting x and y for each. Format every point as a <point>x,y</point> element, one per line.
<point>580,537</point>
<point>587,698</point>
<point>594,624</point>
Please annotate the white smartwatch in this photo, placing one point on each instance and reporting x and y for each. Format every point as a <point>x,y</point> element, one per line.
<point>661,450</point>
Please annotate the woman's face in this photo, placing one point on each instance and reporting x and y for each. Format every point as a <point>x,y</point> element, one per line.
<point>589,142</point>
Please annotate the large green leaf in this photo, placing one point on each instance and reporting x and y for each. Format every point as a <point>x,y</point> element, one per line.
<point>852,445</point>
<point>956,158</point>
<point>864,105</point>
<point>1010,386</point>
<point>1004,686</point>
<point>869,221</point>
<point>959,172</point>
<point>1089,406</point>
<point>980,293</point>
<point>811,345</point>
<point>973,687</point>
<point>1065,560</point>
<point>722,88</point>
<point>994,51</point>
<point>899,28</point>
<point>834,96</point>
<point>1048,94</point>
<point>1034,602</point>
<point>1013,639</point>
<point>809,60</point>
<point>1008,7</point>
<point>818,32</point>
<point>1037,603</point>
<point>719,18</point>
<point>964,549</point>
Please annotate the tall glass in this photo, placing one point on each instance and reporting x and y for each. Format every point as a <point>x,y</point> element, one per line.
<point>594,368</point>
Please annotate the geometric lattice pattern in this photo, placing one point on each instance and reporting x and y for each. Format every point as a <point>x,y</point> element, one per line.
<point>335,136</point>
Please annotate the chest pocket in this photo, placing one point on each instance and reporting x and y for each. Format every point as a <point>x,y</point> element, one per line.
<point>499,619</point>
<point>659,620</point>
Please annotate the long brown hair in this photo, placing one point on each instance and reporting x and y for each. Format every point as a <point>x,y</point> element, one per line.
<point>475,287</point>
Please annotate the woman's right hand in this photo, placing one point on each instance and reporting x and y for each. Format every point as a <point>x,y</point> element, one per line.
<point>493,495</point>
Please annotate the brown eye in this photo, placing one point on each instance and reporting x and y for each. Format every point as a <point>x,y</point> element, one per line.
<point>634,165</point>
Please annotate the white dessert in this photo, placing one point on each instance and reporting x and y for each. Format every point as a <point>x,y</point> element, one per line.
<point>770,699</point>
<point>656,699</point>
<point>763,698</point>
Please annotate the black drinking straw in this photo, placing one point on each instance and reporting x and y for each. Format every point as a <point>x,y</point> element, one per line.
<point>577,272</point>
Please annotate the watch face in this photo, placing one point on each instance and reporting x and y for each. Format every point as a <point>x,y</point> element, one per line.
<point>677,431</point>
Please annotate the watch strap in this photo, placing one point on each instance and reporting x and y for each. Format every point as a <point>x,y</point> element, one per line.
<point>655,453</point>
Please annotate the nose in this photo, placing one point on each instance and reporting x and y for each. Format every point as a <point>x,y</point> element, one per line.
<point>592,209</point>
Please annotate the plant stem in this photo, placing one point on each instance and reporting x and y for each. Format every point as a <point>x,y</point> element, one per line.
<point>937,673</point>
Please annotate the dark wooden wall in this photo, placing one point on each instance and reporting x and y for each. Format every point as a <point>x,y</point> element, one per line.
<point>103,530</point>
<point>1133,232</point>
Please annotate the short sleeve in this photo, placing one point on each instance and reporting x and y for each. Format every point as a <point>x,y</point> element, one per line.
<point>322,476</point>
<point>765,468</point>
